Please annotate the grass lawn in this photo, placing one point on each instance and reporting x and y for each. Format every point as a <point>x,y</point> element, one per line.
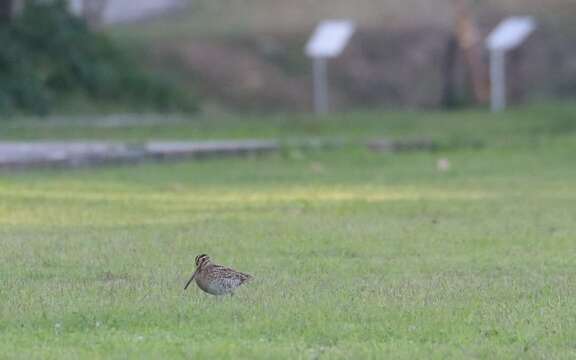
<point>526,125</point>
<point>355,254</point>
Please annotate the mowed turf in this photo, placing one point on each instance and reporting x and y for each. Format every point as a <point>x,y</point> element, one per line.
<point>355,255</point>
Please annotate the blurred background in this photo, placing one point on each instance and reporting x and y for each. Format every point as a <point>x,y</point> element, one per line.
<point>246,56</point>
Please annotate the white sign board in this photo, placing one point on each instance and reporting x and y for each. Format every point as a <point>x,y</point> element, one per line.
<point>511,33</point>
<point>330,38</point>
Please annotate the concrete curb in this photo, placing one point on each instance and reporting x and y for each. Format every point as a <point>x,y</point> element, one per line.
<point>38,154</point>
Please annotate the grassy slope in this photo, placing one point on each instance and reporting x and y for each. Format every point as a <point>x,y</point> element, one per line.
<point>208,18</point>
<point>354,254</point>
<point>273,32</point>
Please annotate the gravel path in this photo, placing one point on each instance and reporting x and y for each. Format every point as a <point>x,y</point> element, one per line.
<point>92,153</point>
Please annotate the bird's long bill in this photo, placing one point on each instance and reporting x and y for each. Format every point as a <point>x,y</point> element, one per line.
<point>191,278</point>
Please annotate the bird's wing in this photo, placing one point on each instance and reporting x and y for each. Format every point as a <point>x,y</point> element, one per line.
<point>234,276</point>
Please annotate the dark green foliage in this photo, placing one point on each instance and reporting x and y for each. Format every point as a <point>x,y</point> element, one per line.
<point>48,55</point>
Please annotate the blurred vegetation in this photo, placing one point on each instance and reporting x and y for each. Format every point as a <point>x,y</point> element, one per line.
<point>244,59</point>
<point>224,18</point>
<point>49,56</point>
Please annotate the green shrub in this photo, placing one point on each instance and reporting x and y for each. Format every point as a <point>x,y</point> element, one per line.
<point>48,55</point>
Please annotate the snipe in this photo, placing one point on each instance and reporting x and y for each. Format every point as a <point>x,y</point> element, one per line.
<point>215,279</point>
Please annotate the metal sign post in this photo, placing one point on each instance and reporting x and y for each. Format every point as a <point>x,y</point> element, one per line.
<point>320,73</point>
<point>328,41</point>
<point>498,96</point>
<point>510,34</point>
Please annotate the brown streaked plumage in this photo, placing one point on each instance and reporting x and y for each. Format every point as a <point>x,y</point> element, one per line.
<point>215,279</point>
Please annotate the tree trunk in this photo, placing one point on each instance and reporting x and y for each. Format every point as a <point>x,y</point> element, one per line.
<point>449,64</point>
<point>471,44</point>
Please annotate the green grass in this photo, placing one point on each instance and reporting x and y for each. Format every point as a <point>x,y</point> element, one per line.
<point>355,254</point>
<point>524,125</point>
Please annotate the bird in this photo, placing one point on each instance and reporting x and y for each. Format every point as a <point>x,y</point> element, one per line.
<point>216,279</point>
